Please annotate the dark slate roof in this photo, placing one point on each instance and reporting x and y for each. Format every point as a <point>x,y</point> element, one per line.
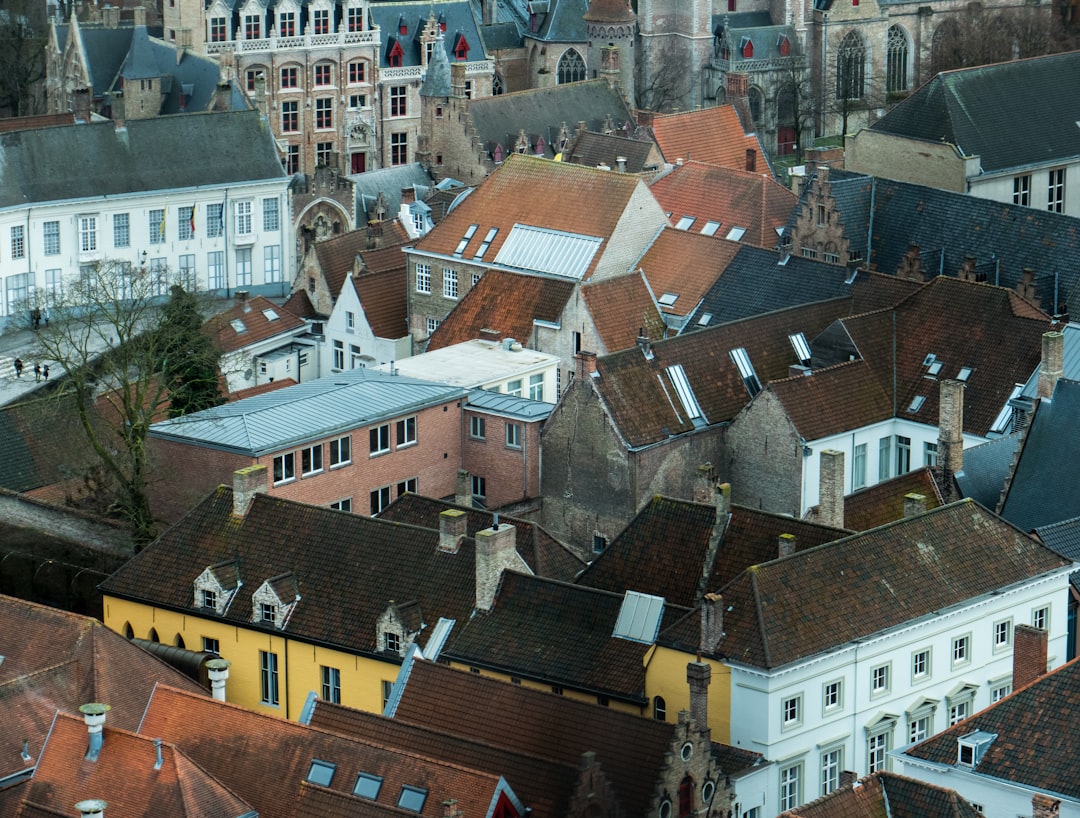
<point>105,50</point>
<point>457,15</point>
<point>96,159</point>
<point>545,555</point>
<point>790,609</point>
<point>501,36</point>
<point>1030,749</point>
<point>961,107</point>
<point>342,596</point>
<point>760,31</point>
<point>851,192</point>
<point>595,149</point>
<point>884,502</point>
<point>558,634</point>
<point>389,182</point>
<point>151,57</point>
<point>564,23</point>
<point>669,549</point>
<point>986,467</point>
<point>544,111</point>
<point>1043,485</point>
<point>1063,537</point>
<point>887,794</point>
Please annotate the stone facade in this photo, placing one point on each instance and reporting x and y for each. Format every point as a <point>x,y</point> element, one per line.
<point>763,455</point>
<point>818,231</point>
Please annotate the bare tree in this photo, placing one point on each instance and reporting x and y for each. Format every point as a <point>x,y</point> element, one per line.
<point>795,105</point>
<point>23,35</point>
<point>980,36</point>
<point>665,80</point>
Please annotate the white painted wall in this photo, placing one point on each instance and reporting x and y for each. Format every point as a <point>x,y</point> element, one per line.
<point>999,188</point>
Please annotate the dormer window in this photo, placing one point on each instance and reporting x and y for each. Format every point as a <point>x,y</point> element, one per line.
<point>461,48</point>
<point>274,601</point>
<point>398,627</point>
<point>394,55</point>
<point>971,748</point>
<point>403,27</point>
<point>268,613</point>
<point>746,48</point>
<point>216,586</point>
<point>784,47</point>
<point>392,642</point>
<point>209,598</point>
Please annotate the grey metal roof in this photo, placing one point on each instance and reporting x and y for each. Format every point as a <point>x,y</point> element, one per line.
<point>510,405</point>
<point>548,251</point>
<point>105,50</point>
<point>986,467</point>
<point>389,182</point>
<point>97,159</point>
<point>437,79</point>
<point>148,57</point>
<point>290,416</point>
<point>457,15</point>
<point>1063,537</point>
<point>1070,363</point>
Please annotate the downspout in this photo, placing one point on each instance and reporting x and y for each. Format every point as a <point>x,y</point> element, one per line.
<point>524,460</point>
<point>226,226</point>
<point>286,678</point>
<point>870,222</point>
<point>894,364</point>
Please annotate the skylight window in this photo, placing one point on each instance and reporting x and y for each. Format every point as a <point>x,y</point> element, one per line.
<point>705,318</point>
<point>684,223</point>
<point>710,228</point>
<point>689,402</point>
<point>1001,422</point>
<point>746,369</point>
<point>667,299</point>
<point>465,239</point>
<point>802,349</point>
<point>321,772</point>
<point>934,368</point>
<point>238,325</point>
<point>412,798</point>
<point>486,243</point>
<point>270,315</point>
<point>639,617</point>
<point>735,233</point>
<point>368,786</point>
<point>964,373</point>
<point>916,403</point>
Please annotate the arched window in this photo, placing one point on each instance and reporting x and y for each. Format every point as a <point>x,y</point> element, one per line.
<point>129,632</point>
<point>686,797</point>
<point>659,708</point>
<point>179,641</point>
<point>851,67</point>
<point>756,104</point>
<point>571,67</point>
<point>497,86</point>
<point>896,61</point>
<point>152,636</point>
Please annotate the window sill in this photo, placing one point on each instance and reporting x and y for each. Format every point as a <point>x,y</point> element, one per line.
<point>341,465</point>
<point>284,482</point>
<point>379,453</point>
<point>305,475</point>
<point>408,445</point>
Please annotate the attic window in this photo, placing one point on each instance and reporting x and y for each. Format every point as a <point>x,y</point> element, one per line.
<point>746,369</point>
<point>1001,422</point>
<point>412,798</point>
<point>735,233</point>
<point>934,368</point>
<point>916,403</point>
<point>270,315</point>
<point>971,748</point>
<point>267,612</point>
<point>746,48</point>
<point>321,772</point>
<point>238,325</point>
<point>639,617</point>
<point>802,349</point>
<point>667,299</point>
<point>684,223</point>
<point>486,243</point>
<point>368,786</point>
<point>465,240</point>
<point>964,373</point>
<point>686,394</point>
<point>710,228</point>
<point>209,598</point>
<point>461,48</point>
<point>705,318</point>
<point>784,47</point>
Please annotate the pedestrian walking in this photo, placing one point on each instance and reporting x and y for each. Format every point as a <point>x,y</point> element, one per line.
<point>37,372</point>
<point>45,371</point>
<point>35,314</point>
<point>18,367</point>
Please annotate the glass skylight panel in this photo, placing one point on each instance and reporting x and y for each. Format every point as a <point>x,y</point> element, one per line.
<point>667,299</point>
<point>916,403</point>
<point>686,394</point>
<point>368,786</point>
<point>639,617</point>
<point>465,239</point>
<point>1001,422</point>
<point>412,798</point>
<point>705,318</point>
<point>736,233</point>
<point>270,315</point>
<point>321,772</point>
<point>710,228</point>
<point>746,369</point>
<point>684,223</point>
<point>238,325</point>
<point>486,243</point>
<point>934,368</point>
<point>802,349</point>
<point>964,373</point>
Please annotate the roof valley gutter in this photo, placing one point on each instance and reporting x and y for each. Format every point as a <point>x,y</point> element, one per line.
<point>870,223</point>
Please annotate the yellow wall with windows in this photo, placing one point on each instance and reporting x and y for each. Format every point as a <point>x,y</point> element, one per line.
<point>665,676</point>
<point>299,663</point>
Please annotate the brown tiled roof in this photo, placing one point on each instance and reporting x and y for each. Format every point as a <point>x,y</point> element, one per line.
<point>260,389</point>
<point>125,775</point>
<point>555,633</point>
<point>665,549</point>
<point>259,326</point>
<point>300,305</point>
<point>884,502</point>
<point>58,660</point>
<point>265,760</point>
<point>385,300</point>
<point>887,795</point>
<point>27,123</point>
<point>1036,730</point>
<point>533,191</point>
<point>544,785</point>
<point>730,196</point>
<point>507,302</point>
<point>834,399</point>
<point>714,136</point>
<point>545,555</point>
<point>594,149</point>
<point>799,606</point>
<point>639,397</point>
<point>685,264</point>
<point>341,600</point>
<point>630,749</point>
<point>336,257</point>
<point>621,307</point>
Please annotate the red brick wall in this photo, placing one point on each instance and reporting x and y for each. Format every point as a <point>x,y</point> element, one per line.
<point>511,474</point>
<point>1029,655</point>
<point>183,475</point>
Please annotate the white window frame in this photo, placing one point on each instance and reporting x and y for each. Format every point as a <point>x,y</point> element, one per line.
<point>832,763</point>
<point>881,679</point>
<point>790,786</point>
<point>878,744</point>
<point>242,217</point>
<point>1003,635</point>
<point>450,283</point>
<point>961,650</point>
<point>536,387</point>
<point>405,432</point>
<point>268,676</point>
<point>287,469</point>
<point>308,456</point>
<point>791,715</point>
<point>832,696</point>
<point>331,684</point>
<point>378,439</point>
<point>423,278</point>
<point>1040,617</point>
<point>88,234</point>
<point>477,428</point>
<point>514,435</point>
<point>337,460</point>
<point>916,674</point>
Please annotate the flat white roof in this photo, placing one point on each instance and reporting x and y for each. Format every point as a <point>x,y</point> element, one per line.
<point>472,363</point>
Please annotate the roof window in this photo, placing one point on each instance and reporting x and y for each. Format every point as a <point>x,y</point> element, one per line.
<point>802,349</point>
<point>667,299</point>
<point>689,402</point>
<point>964,373</point>
<point>735,233</point>
<point>412,798</point>
<point>916,403</point>
<point>1001,422</point>
<point>684,223</point>
<point>368,786</point>
<point>746,369</point>
<point>971,748</point>
<point>710,228</point>
<point>270,314</point>
<point>934,368</point>
<point>321,772</point>
<point>705,318</point>
<point>639,617</point>
<point>486,243</point>
<point>465,239</point>
<point>238,325</point>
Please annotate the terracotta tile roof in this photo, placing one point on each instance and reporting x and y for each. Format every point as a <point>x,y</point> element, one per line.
<point>337,256</point>
<point>834,399</point>
<point>341,600</point>
<point>637,391</point>
<point>629,748</point>
<point>731,196</point>
<point>125,775</point>
<point>265,760</point>
<point>544,785</point>
<point>532,191</point>
<point>665,550</point>
<point>555,633</point>
<point>545,555</point>
<point>58,660</point>
<point>884,502</point>
<point>385,300</point>
<point>887,795</point>
<point>26,123</point>
<point>507,302</point>
<point>1036,729</point>
<point>927,563</point>
<point>714,136</point>
<point>300,305</point>
<point>261,389</point>
<point>621,307</point>
<point>259,325</point>
<point>685,264</point>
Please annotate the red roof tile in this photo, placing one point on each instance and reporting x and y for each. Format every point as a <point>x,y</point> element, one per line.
<point>884,502</point>
<point>622,307</point>
<point>255,314</point>
<point>887,795</point>
<point>384,298</point>
<point>685,264</point>
<point>714,136</point>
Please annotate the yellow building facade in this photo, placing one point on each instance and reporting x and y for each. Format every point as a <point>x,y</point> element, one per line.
<point>665,679</point>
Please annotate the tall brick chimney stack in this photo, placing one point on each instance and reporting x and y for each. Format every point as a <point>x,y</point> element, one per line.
<point>1029,655</point>
<point>712,622</point>
<point>495,552</point>
<point>247,482</point>
<point>705,485</point>
<point>831,491</point>
<point>453,524</point>
<point>463,488</point>
<point>951,426</point>
<point>785,545</point>
<point>698,676</point>
<point>1053,353</point>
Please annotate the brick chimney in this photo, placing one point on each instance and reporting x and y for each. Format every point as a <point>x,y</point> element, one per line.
<point>116,106</point>
<point>1053,352</point>
<point>110,16</point>
<point>1029,655</point>
<point>751,160</point>
<point>698,676</point>
<point>1043,806</point>
<point>951,426</point>
<point>914,504</point>
<point>240,300</point>
<point>247,482</point>
<point>463,488</point>
<point>848,779</point>
<point>967,270</point>
<point>408,195</point>
<point>457,80</point>
<point>222,97</point>
<point>911,264</point>
<point>1025,287</point>
<point>586,363</point>
<point>712,622</point>
<point>831,491</point>
<point>138,15</point>
<point>94,718</point>
<point>81,100</point>
<point>495,552</point>
<point>785,545</point>
<point>218,671</point>
<point>453,525</point>
<point>705,485</point>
